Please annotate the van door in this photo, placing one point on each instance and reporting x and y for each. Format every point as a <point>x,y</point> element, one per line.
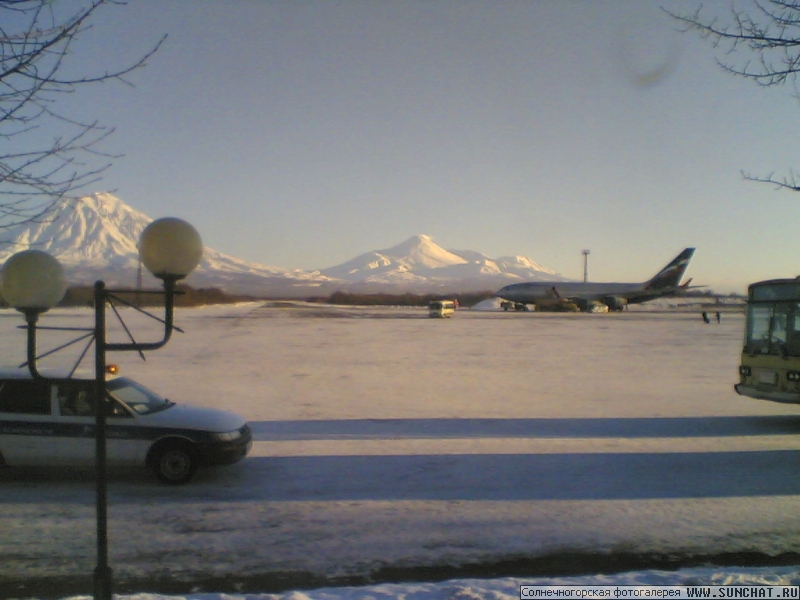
<point>27,431</point>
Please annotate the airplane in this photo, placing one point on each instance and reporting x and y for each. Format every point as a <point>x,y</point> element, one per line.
<point>588,296</point>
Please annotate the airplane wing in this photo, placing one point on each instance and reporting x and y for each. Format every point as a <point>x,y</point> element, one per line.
<point>670,291</point>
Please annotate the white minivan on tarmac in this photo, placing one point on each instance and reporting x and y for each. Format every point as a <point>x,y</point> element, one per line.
<point>51,422</point>
<point>442,308</point>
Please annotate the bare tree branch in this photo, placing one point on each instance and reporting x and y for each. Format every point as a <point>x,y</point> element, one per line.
<point>790,182</point>
<point>768,39</point>
<point>36,43</point>
<point>762,45</point>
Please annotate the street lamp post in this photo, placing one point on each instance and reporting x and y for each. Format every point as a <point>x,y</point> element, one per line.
<point>33,282</point>
<point>586,254</point>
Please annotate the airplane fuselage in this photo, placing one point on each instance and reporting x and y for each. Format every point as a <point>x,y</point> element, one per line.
<point>548,294</point>
<point>531,292</point>
<point>614,295</point>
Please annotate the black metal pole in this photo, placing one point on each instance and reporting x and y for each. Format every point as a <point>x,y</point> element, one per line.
<point>32,317</point>
<point>102,573</point>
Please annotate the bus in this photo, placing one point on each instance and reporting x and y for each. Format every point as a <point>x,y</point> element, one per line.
<point>770,363</point>
<point>441,308</point>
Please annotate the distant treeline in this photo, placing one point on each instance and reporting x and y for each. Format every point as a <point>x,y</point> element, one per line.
<point>185,296</point>
<point>353,299</point>
<point>188,296</point>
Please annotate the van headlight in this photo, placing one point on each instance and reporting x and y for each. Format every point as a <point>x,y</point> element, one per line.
<point>228,436</point>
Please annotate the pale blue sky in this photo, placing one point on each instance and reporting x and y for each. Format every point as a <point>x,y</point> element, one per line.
<point>301,134</point>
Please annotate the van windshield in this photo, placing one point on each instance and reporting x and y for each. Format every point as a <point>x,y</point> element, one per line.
<point>136,396</point>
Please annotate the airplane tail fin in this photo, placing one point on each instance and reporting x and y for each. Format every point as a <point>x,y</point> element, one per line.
<point>670,276</point>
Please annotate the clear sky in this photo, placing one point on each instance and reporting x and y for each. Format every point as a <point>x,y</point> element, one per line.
<point>302,133</point>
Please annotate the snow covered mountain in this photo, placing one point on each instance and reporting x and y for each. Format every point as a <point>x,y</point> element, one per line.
<point>95,237</point>
<point>420,263</point>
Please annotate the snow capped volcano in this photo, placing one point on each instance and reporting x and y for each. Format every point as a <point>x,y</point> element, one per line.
<point>95,237</point>
<point>409,261</point>
<point>422,251</point>
<point>97,230</point>
<point>421,263</point>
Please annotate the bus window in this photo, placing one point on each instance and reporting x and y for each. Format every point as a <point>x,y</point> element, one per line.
<point>772,329</point>
<point>778,327</point>
<point>758,322</point>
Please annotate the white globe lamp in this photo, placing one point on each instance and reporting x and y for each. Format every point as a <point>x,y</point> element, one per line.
<point>33,281</point>
<point>170,248</point>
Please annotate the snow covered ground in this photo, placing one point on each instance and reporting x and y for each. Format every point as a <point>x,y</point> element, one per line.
<point>394,447</point>
<point>509,588</point>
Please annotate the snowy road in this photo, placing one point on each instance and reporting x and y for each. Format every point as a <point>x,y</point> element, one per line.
<point>387,442</point>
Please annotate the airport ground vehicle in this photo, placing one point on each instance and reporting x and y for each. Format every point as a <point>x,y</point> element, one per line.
<point>507,305</point>
<point>442,308</point>
<point>770,363</point>
<point>51,423</point>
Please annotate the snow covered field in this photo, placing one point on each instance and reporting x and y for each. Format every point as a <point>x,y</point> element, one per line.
<point>391,447</point>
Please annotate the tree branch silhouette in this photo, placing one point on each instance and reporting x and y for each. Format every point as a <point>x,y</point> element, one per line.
<point>36,43</point>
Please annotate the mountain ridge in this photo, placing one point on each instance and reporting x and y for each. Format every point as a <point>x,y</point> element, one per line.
<point>96,236</point>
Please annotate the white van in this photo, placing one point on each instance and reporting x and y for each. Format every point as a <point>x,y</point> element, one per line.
<point>442,308</point>
<point>51,423</point>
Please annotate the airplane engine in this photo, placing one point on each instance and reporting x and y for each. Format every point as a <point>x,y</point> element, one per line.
<point>583,305</point>
<point>614,302</point>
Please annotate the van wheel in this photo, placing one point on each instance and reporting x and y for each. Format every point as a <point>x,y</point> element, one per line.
<point>174,464</point>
